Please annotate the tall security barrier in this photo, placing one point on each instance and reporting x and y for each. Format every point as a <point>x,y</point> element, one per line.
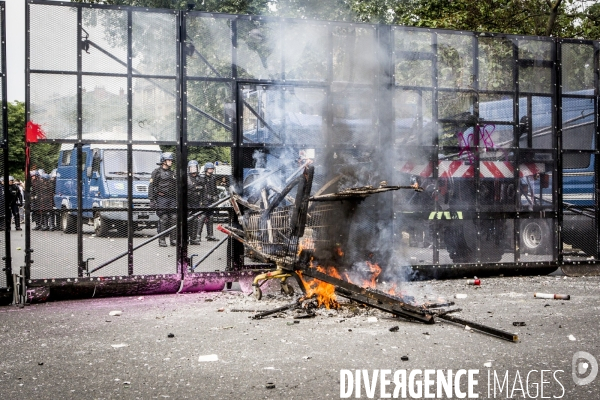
<point>498,130</point>
<point>5,225</point>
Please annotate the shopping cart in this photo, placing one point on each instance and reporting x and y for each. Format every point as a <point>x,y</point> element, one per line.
<point>289,236</point>
<point>277,234</point>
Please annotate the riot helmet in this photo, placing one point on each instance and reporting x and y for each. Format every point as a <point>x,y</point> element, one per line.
<point>166,156</point>
<point>192,167</point>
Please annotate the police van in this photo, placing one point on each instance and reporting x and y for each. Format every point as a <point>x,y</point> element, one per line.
<point>104,186</point>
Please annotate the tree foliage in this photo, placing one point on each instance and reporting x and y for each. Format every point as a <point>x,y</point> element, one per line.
<point>559,18</point>
<point>43,155</point>
<point>16,139</point>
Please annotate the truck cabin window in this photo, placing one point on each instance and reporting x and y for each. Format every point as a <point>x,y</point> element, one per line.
<point>576,161</point>
<point>96,162</point>
<point>144,162</point>
<point>66,157</point>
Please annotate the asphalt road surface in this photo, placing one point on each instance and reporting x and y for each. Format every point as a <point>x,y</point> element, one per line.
<point>55,254</point>
<point>77,350</point>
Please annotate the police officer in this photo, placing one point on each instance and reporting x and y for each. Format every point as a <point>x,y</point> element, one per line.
<point>194,193</point>
<point>46,202</point>
<point>15,200</point>
<point>162,193</point>
<point>208,195</point>
<point>34,199</point>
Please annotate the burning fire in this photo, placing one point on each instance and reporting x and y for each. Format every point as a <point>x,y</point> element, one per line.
<point>392,290</point>
<point>376,270</point>
<point>324,292</point>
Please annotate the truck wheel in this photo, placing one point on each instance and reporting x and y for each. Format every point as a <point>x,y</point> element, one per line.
<point>535,237</point>
<point>101,225</point>
<point>68,222</point>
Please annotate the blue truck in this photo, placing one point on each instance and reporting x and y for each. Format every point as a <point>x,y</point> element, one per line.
<point>104,187</point>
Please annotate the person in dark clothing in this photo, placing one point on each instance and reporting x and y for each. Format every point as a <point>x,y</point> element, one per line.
<point>162,193</point>
<point>35,195</point>
<point>208,195</point>
<point>194,193</point>
<point>46,202</point>
<point>53,220</point>
<point>15,200</point>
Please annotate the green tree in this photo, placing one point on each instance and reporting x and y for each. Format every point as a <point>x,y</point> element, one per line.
<point>16,139</point>
<point>223,6</point>
<point>559,18</point>
<point>42,155</point>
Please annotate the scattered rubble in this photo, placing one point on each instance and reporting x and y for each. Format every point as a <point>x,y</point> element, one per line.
<point>552,296</point>
<point>208,358</point>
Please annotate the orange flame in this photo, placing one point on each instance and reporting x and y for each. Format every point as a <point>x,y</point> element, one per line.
<point>392,290</point>
<point>324,292</point>
<point>376,270</point>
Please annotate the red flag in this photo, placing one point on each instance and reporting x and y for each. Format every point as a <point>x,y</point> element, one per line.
<point>33,132</point>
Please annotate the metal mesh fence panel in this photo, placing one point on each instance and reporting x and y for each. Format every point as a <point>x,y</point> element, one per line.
<point>354,115</point>
<point>579,195</point>
<point>577,70</point>
<point>535,66</point>
<point>105,35</point>
<point>53,104</point>
<point>154,43</point>
<point>283,114</point>
<point>578,122</point>
<point>469,118</point>
<point>211,248</point>
<point>53,211</point>
<point>354,53</point>
<point>305,52</point>
<point>3,221</point>
<point>496,64</point>
<point>55,48</point>
<point>413,54</point>
<point>412,117</point>
<point>455,61</point>
<point>208,47</point>
<point>154,110</point>
<point>104,108</point>
<point>579,139</point>
<point>5,235</point>
<point>210,111</point>
<point>259,53</point>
